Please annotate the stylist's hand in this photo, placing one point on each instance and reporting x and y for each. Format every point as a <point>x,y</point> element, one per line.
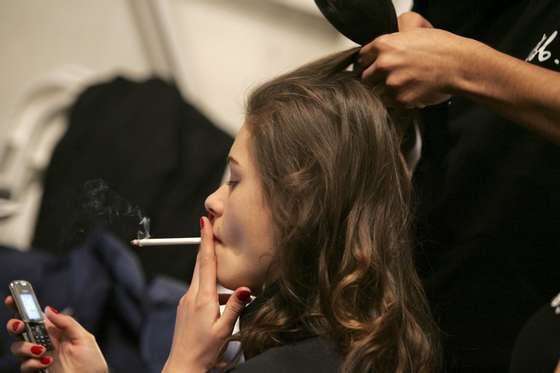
<point>420,65</point>
<point>200,331</point>
<point>412,20</point>
<point>75,349</point>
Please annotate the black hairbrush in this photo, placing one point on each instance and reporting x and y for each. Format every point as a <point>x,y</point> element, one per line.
<point>360,20</point>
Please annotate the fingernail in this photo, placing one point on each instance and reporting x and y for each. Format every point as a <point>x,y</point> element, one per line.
<point>244,295</point>
<point>46,360</point>
<point>54,309</point>
<point>201,223</point>
<point>15,325</point>
<point>37,350</point>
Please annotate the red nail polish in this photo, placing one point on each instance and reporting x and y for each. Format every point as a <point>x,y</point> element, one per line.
<point>201,223</point>
<point>37,350</point>
<point>54,309</point>
<point>46,360</point>
<point>15,325</point>
<point>244,295</point>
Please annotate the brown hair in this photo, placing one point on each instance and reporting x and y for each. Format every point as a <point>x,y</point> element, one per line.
<point>327,149</point>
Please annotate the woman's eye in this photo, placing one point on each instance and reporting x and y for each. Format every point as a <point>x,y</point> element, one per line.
<point>232,183</point>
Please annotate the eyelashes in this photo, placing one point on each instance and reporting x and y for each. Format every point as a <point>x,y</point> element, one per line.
<point>232,183</point>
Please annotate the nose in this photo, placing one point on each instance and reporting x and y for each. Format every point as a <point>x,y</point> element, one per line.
<point>214,204</point>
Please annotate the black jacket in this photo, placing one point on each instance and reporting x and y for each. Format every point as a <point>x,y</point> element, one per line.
<point>153,149</point>
<point>309,355</point>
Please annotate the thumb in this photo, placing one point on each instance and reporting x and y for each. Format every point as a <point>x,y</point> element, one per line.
<point>234,306</point>
<point>70,327</point>
<point>412,20</point>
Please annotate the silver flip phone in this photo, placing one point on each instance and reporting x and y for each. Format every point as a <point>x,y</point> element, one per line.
<point>29,311</point>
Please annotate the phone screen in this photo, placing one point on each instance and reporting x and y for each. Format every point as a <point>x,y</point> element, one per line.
<point>30,306</point>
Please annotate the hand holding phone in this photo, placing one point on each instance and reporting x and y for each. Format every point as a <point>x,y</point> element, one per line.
<point>29,311</point>
<point>74,348</point>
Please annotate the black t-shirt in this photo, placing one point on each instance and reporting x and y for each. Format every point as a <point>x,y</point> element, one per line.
<point>488,195</point>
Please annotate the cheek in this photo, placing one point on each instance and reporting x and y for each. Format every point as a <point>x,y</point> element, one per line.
<point>246,231</point>
<point>246,257</point>
<point>235,231</point>
<point>246,223</point>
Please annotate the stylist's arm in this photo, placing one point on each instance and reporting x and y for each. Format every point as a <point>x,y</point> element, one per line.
<point>200,331</point>
<point>423,66</point>
<point>75,349</point>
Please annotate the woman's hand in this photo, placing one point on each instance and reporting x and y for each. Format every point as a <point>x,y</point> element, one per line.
<point>75,349</point>
<point>200,331</point>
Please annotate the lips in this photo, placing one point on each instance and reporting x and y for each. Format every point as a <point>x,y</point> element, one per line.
<point>216,235</point>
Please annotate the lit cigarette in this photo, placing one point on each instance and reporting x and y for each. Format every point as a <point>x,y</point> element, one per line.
<point>166,241</point>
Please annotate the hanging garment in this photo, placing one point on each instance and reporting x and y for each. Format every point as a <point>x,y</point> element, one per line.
<point>154,149</point>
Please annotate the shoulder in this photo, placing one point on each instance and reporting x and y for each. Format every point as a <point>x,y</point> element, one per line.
<point>312,354</point>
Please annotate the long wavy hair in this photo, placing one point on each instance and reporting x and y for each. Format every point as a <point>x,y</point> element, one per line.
<point>327,149</point>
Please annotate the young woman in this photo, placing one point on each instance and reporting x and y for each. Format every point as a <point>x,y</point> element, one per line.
<point>314,221</point>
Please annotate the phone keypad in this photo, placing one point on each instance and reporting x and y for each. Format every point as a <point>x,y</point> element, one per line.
<point>41,336</point>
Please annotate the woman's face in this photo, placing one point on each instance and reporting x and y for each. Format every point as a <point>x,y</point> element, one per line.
<point>242,222</point>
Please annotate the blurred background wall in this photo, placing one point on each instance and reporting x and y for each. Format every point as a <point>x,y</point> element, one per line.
<point>224,46</point>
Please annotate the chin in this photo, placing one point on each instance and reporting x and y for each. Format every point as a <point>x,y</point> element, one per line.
<point>232,282</point>
<point>227,280</point>
<point>231,285</point>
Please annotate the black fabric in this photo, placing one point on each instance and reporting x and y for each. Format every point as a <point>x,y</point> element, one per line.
<point>537,348</point>
<point>153,148</point>
<point>488,196</point>
<point>301,352</point>
<point>100,283</point>
<point>310,355</point>
<point>479,19</point>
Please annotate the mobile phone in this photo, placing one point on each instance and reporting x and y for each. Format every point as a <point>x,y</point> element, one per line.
<point>29,311</point>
